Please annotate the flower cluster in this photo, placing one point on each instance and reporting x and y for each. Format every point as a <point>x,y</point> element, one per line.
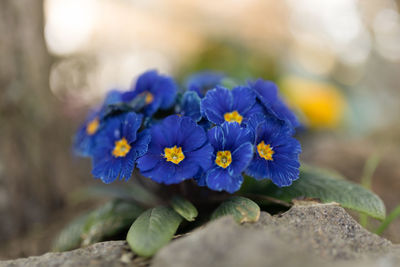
<point>204,132</point>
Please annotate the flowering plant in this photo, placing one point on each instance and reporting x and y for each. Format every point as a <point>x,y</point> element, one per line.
<point>192,146</point>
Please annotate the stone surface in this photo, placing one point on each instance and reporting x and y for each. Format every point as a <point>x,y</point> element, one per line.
<point>310,235</point>
<point>307,235</point>
<point>112,253</point>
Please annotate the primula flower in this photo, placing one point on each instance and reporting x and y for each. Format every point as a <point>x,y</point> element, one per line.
<point>201,82</point>
<point>276,154</point>
<point>118,145</point>
<point>159,92</point>
<point>236,105</point>
<point>84,140</point>
<point>267,93</point>
<point>233,152</point>
<point>178,150</point>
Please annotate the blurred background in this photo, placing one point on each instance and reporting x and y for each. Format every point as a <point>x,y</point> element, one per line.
<point>337,63</point>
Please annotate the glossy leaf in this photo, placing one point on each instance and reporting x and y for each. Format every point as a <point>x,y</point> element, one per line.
<point>152,230</point>
<point>103,223</point>
<point>71,236</point>
<point>326,186</point>
<point>184,208</point>
<point>242,209</point>
<point>112,219</point>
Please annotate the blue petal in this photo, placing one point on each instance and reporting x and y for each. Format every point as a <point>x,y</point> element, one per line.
<point>244,99</point>
<point>200,178</point>
<point>107,169</point>
<point>216,138</point>
<point>218,179</point>
<point>152,108</point>
<point>267,92</point>
<point>148,161</point>
<point>163,89</point>
<point>216,103</point>
<point>184,170</point>
<point>284,168</point>
<point>83,144</point>
<point>190,136</point>
<point>142,143</point>
<point>202,156</point>
<point>127,166</point>
<point>241,158</point>
<point>113,97</point>
<point>273,131</point>
<point>190,106</point>
<point>284,171</point>
<point>201,82</point>
<point>170,173</point>
<point>130,125</point>
<point>160,172</point>
<point>235,135</point>
<point>167,89</point>
<point>145,81</point>
<point>170,127</point>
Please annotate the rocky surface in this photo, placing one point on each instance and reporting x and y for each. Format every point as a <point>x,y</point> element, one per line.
<point>112,253</point>
<point>306,235</point>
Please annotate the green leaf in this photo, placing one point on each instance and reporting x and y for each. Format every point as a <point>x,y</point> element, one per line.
<point>327,187</point>
<point>71,236</point>
<point>242,209</point>
<point>152,230</point>
<point>110,220</point>
<point>103,223</point>
<point>184,208</point>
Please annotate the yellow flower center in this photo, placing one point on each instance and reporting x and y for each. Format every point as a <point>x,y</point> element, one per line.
<point>92,126</point>
<point>265,151</point>
<point>174,154</point>
<point>121,148</point>
<point>223,159</point>
<point>233,116</point>
<point>148,97</point>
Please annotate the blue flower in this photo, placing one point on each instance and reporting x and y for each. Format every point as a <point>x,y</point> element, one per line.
<point>118,145</point>
<point>159,92</point>
<point>178,151</point>
<point>267,93</point>
<point>276,154</point>
<point>190,106</point>
<point>84,139</point>
<point>236,105</point>
<point>86,134</point>
<point>201,82</point>
<point>233,152</point>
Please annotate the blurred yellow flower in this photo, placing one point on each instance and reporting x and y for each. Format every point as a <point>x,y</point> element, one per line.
<point>322,104</point>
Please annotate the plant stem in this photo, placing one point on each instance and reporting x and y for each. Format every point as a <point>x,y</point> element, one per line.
<point>366,180</point>
<point>389,219</point>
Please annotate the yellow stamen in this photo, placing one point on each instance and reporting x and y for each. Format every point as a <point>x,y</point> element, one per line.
<point>148,97</point>
<point>92,126</point>
<point>174,154</point>
<point>265,151</point>
<point>121,148</point>
<point>223,159</point>
<point>233,116</point>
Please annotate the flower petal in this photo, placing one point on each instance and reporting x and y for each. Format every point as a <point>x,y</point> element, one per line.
<point>218,179</point>
<point>241,158</point>
<point>216,103</point>
<point>244,99</point>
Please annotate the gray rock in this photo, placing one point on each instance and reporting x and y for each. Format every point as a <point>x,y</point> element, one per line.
<point>306,235</point>
<point>113,253</point>
<point>311,235</point>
